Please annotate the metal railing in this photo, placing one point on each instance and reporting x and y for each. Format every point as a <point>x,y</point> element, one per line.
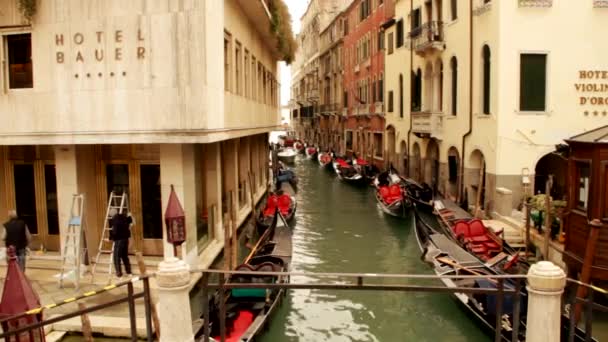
<point>427,35</point>
<point>129,298</point>
<point>357,281</point>
<point>576,305</point>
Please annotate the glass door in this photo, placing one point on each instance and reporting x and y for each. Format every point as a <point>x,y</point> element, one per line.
<point>52,213</point>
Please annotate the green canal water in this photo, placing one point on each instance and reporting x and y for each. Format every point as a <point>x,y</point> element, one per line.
<point>339,228</point>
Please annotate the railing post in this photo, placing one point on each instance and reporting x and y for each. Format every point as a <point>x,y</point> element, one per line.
<point>546,283</point>
<point>173,280</point>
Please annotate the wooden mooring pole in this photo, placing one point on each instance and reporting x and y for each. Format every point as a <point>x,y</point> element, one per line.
<point>548,217</point>
<point>594,234</point>
<point>87,331</point>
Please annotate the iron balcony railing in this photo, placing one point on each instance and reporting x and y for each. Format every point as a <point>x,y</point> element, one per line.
<point>429,35</point>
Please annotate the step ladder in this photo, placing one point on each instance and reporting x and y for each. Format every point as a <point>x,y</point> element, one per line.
<point>74,247</point>
<point>121,204</point>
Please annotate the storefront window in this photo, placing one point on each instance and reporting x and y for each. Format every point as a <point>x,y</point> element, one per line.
<point>583,173</point>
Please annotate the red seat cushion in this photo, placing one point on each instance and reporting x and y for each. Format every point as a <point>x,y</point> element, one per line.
<point>384,192</point>
<point>461,228</point>
<point>271,205</point>
<point>492,245</point>
<point>476,228</point>
<point>479,249</point>
<point>481,238</point>
<point>361,161</point>
<point>284,204</point>
<point>342,162</point>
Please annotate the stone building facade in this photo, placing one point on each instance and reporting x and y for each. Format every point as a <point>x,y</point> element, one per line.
<point>109,96</point>
<point>480,104</point>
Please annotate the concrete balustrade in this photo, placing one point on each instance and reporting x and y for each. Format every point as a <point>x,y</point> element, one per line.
<point>173,278</point>
<point>546,283</point>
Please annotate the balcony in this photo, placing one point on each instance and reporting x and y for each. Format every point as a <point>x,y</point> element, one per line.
<point>357,69</point>
<point>378,108</point>
<point>427,38</point>
<point>367,63</point>
<point>427,124</point>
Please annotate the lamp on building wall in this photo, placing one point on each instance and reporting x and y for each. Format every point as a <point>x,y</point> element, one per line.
<point>175,220</point>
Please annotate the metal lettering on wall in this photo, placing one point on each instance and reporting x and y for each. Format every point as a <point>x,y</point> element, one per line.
<point>71,48</point>
<point>593,90</point>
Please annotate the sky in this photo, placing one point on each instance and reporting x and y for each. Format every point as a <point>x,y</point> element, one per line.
<point>296,9</point>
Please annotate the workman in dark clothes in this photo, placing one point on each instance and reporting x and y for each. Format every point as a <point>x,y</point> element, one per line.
<point>18,235</point>
<point>120,234</point>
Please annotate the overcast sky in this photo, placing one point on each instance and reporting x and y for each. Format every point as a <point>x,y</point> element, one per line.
<point>296,8</point>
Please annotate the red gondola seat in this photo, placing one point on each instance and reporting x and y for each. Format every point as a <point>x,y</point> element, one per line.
<point>271,205</point>
<point>284,202</point>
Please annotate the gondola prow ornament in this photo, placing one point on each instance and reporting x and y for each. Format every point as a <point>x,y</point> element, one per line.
<point>175,220</point>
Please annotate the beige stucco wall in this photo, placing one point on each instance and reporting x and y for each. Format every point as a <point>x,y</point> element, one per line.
<point>176,86</point>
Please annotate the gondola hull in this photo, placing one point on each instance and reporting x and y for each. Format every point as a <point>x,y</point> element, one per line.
<point>248,310</point>
<point>325,160</point>
<point>399,208</point>
<point>311,153</point>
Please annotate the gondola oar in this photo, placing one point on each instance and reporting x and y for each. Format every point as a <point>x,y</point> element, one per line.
<point>455,264</point>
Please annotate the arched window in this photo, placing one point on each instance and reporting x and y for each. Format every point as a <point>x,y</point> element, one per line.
<point>486,79</point>
<point>454,70</point>
<point>401,95</point>
<point>416,91</point>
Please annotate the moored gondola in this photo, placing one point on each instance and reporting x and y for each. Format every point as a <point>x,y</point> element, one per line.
<point>447,257</point>
<point>311,152</point>
<point>392,200</point>
<point>287,155</point>
<point>248,309</point>
<point>299,146</point>
<point>348,173</point>
<point>283,200</point>
<point>325,159</point>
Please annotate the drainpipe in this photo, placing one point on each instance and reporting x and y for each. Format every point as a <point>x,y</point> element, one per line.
<point>460,195</point>
<point>409,132</point>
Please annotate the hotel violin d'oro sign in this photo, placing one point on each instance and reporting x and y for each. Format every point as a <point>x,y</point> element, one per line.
<point>90,47</point>
<point>592,87</point>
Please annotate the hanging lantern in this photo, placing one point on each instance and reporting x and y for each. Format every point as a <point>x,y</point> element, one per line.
<point>175,220</point>
<point>18,297</point>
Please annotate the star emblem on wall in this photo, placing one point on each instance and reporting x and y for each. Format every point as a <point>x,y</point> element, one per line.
<point>586,112</point>
<point>604,113</point>
<point>595,113</point>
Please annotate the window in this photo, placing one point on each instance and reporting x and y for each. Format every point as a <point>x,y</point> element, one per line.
<point>237,69</point>
<point>416,91</point>
<point>227,57</point>
<point>399,33</point>
<point>381,88</point>
<point>605,190</point>
<point>378,145</point>
<point>380,39</point>
<point>253,78</point>
<point>246,73</point>
<point>532,82</point>
<point>346,26</point>
<point>349,140</point>
<point>345,100</point>
<point>454,80</point>
<point>390,101</point>
<point>416,21</point>
<point>486,79</point>
<point>454,8</point>
<point>373,91</point>
<point>583,173</point>
<point>20,73</point>
<point>390,43</point>
<point>401,95</point>
<point>260,82</point>
<point>453,168</point>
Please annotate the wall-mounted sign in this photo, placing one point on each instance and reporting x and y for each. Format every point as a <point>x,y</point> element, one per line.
<point>98,53</point>
<point>593,87</point>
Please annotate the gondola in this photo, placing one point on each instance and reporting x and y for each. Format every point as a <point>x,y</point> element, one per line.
<point>471,233</point>
<point>367,170</point>
<point>325,159</point>
<point>348,173</point>
<point>287,155</point>
<point>286,174</point>
<point>446,257</point>
<point>284,200</point>
<point>299,146</point>
<point>248,310</point>
<point>393,201</point>
<point>311,152</point>
<point>421,195</point>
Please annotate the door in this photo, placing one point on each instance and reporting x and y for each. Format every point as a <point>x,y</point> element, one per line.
<point>25,199</point>
<point>151,209</point>
<point>50,208</point>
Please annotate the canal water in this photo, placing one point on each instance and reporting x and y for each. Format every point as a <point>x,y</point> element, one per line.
<point>339,228</point>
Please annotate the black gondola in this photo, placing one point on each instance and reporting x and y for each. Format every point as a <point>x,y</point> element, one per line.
<point>284,200</point>
<point>249,310</point>
<point>392,200</point>
<point>311,152</point>
<point>446,257</point>
<point>348,173</point>
<point>325,160</point>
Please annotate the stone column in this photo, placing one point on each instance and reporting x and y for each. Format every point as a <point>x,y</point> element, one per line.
<point>546,283</point>
<point>173,278</point>
<point>177,168</point>
<point>67,185</point>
